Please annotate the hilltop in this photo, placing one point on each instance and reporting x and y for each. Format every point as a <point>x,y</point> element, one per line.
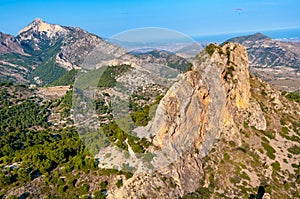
<point>277,62</point>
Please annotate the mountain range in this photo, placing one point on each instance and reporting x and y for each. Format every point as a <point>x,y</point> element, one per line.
<point>44,53</point>
<point>202,128</point>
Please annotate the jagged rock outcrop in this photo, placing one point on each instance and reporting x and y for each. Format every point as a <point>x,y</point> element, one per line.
<point>190,118</point>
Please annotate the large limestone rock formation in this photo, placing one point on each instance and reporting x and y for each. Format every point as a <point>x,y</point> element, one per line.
<point>190,118</point>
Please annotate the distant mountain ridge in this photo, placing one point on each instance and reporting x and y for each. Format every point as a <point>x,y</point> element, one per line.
<point>42,53</point>
<point>266,52</point>
<point>274,61</point>
<point>9,44</point>
<point>253,37</point>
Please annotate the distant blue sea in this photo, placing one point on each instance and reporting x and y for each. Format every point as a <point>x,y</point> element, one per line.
<point>282,34</point>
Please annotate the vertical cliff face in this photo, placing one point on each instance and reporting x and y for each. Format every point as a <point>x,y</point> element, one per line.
<point>191,118</point>
<point>179,117</point>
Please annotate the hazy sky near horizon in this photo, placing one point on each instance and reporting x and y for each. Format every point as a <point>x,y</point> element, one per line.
<point>192,17</point>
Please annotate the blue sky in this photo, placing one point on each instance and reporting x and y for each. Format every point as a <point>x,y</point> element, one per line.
<point>192,17</point>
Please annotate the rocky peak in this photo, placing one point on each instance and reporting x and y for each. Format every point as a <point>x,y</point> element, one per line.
<point>69,45</point>
<point>39,26</point>
<point>235,74</point>
<point>62,46</point>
